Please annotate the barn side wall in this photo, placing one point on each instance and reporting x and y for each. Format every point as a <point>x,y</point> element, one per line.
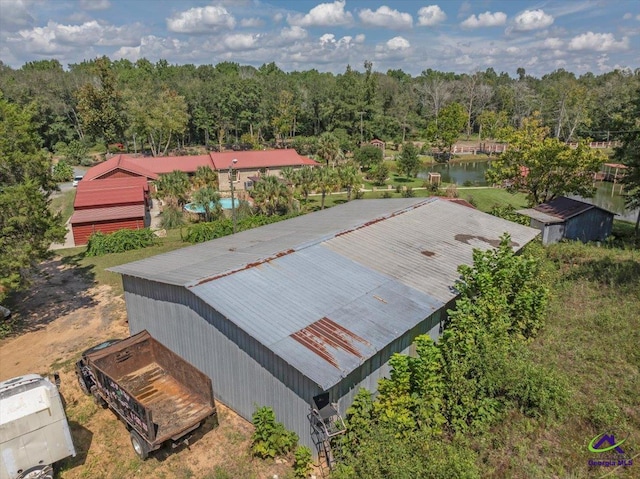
<point>592,225</point>
<point>82,231</point>
<point>244,373</point>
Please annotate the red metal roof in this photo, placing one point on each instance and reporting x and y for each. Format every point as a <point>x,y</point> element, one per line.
<point>260,159</point>
<point>106,214</point>
<point>167,164</point>
<point>109,197</point>
<point>119,162</point>
<point>111,183</point>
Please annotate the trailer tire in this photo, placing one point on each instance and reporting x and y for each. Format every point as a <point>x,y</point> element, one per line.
<point>38,472</point>
<point>140,446</point>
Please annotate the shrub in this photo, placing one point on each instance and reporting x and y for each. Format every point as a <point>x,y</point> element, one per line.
<point>201,232</point>
<point>386,194</point>
<point>270,438</point>
<point>171,217</point>
<point>123,240</point>
<point>302,463</point>
<point>408,193</point>
<point>62,171</point>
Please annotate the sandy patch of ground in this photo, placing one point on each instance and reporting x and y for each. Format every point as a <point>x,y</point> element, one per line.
<point>63,314</point>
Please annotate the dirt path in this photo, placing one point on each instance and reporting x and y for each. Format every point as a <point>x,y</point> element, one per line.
<point>63,314</point>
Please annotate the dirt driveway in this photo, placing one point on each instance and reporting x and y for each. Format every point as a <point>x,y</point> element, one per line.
<point>62,314</point>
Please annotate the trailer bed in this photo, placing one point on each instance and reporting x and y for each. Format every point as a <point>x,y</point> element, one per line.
<point>173,407</point>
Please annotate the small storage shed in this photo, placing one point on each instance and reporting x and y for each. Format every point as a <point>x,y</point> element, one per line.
<point>314,305</point>
<point>566,218</point>
<point>107,220</point>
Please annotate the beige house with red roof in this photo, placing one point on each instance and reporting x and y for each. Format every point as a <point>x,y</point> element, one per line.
<point>115,194</point>
<point>249,164</point>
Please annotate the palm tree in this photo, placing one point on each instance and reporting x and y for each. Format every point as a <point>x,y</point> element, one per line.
<point>290,175</point>
<point>305,180</point>
<point>205,176</point>
<point>349,178</point>
<point>172,187</point>
<point>208,199</point>
<point>326,180</point>
<point>271,196</point>
<point>329,149</point>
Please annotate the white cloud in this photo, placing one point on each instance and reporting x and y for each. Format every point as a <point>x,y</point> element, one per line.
<point>386,17</point>
<point>54,37</point>
<point>627,16</point>
<point>598,42</point>
<point>240,41</point>
<point>398,43</point>
<point>252,22</point>
<point>486,19</point>
<point>532,20</point>
<point>201,20</point>
<point>327,38</point>
<point>293,33</point>
<point>553,43</point>
<point>95,4</point>
<point>152,47</point>
<point>513,50</point>
<point>431,15</point>
<point>360,38</point>
<point>278,17</point>
<point>16,14</point>
<point>324,14</point>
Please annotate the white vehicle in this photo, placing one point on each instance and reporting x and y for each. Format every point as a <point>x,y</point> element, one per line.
<point>76,180</point>
<point>34,432</point>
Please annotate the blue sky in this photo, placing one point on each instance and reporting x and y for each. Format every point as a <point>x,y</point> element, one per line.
<point>447,35</point>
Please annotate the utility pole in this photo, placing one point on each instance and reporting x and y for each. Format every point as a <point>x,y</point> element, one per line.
<point>233,201</point>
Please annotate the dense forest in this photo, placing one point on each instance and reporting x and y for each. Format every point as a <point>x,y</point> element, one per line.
<point>161,107</point>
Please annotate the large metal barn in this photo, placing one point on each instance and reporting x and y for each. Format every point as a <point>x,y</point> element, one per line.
<point>316,304</point>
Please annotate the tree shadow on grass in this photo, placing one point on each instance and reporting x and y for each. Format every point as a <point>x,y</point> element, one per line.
<point>402,179</point>
<point>58,287</point>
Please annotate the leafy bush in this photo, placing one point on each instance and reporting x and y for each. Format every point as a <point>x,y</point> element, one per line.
<point>270,438</point>
<point>386,194</point>
<point>302,462</point>
<point>62,171</point>
<point>408,193</point>
<point>368,155</point>
<point>201,232</point>
<point>123,240</point>
<point>508,212</point>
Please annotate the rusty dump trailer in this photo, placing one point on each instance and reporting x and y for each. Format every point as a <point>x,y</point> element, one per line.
<point>161,397</point>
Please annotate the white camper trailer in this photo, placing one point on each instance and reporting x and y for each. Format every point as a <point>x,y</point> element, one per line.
<point>34,433</point>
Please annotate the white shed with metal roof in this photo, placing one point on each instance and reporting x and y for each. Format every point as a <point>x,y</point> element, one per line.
<point>316,304</point>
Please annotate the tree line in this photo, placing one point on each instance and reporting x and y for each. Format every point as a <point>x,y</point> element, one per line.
<point>159,107</point>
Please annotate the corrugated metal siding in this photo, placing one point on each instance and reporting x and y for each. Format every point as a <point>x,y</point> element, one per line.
<point>244,373</point>
<point>592,225</point>
<point>81,232</point>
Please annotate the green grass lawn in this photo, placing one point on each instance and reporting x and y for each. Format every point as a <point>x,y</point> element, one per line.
<point>591,337</point>
<point>64,204</point>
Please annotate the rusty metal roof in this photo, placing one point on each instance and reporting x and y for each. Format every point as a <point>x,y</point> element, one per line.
<point>327,290</point>
<point>558,210</point>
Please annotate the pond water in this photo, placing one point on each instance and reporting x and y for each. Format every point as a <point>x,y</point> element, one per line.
<point>459,172</point>
<point>472,173</point>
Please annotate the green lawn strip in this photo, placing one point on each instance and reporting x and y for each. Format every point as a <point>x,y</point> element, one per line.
<point>95,266</point>
<point>64,204</point>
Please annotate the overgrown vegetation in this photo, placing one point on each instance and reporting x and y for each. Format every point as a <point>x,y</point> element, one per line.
<point>462,385</point>
<point>270,438</point>
<point>123,240</point>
